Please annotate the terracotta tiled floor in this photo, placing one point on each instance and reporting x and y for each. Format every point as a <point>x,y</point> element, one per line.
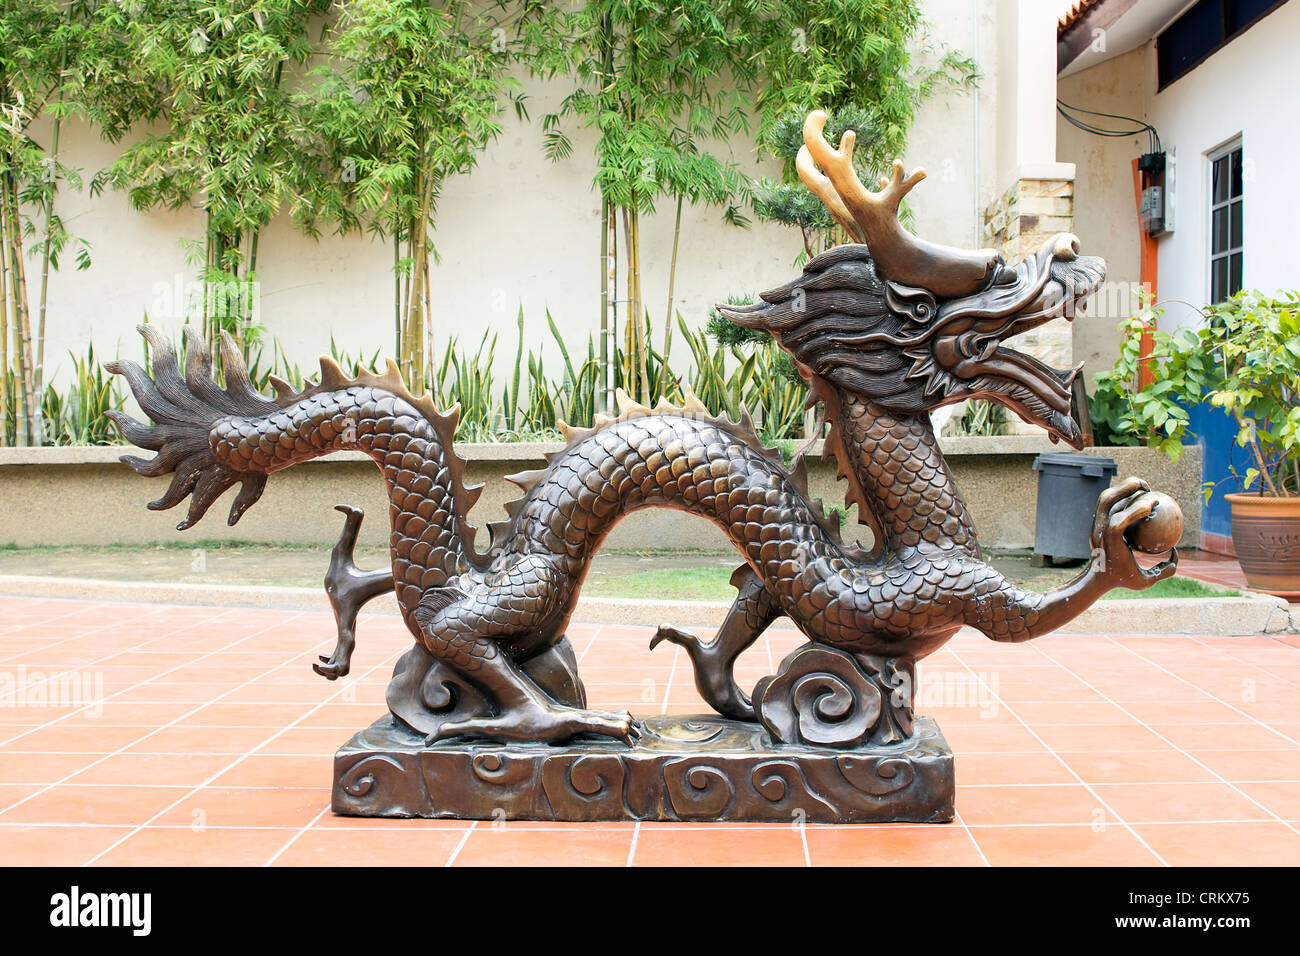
<point>201,736</point>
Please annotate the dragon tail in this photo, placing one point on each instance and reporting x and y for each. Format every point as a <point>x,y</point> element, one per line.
<point>184,407</point>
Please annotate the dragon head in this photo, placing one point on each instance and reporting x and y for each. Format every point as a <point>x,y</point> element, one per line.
<point>911,325</point>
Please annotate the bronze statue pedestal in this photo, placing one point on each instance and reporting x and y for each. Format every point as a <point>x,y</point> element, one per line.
<point>698,767</point>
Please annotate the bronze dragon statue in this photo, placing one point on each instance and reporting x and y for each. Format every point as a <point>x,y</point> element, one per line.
<point>885,330</point>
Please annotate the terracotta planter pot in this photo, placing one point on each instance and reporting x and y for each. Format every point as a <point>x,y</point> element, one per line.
<point>1266,534</point>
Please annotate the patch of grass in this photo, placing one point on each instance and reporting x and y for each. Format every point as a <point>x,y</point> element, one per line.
<point>1174,587</point>
<point>206,544</point>
<point>677,584</point>
<point>714,584</point>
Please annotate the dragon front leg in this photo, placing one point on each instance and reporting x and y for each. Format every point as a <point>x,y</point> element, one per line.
<point>1005,612</point>
<point>714,663</point>
<point>348,588</point>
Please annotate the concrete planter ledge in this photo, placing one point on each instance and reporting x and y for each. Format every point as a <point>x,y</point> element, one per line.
<point>1250,614</point>
<point>69,495</point>
<point>523,451</point>
<point>109,454</point>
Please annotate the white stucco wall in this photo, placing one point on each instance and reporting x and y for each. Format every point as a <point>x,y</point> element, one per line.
<point>518,230</point>
<point>1105,217</point>
<point>1243,91</point>
<point>1249,88</point>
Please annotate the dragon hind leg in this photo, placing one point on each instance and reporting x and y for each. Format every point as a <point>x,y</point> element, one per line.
<point>754,609</point>
<point>454,628</point>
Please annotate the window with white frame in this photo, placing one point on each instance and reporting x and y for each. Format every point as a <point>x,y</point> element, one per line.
<point>1225,222</point>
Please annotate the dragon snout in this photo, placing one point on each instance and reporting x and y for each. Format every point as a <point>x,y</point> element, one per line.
<point>1065,247</point>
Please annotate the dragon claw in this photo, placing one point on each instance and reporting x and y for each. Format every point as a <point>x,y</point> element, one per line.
<point>332,668</point>
<point>674,635</point>
<point>540,723</point>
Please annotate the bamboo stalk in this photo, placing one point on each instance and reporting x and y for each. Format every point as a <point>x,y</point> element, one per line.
<point>250,275</point>
<point>22,324</point>
<point>4,329</point>
<point>672,281</point>
<point>634,293</point>
<point>45,259</point>
<point>414,342</point>
<point>397,296</point>
<point>426,356</point>
<point>604,303</point>
<point>208,253</point>
<point>629,340</point>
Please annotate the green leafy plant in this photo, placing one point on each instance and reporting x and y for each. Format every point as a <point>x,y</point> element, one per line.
<point>206,80</point>
<point>982,418</point>
<point>77,416</point>
<point>40,47</point>
<point>1244,359</point>
<point>1107,407</point>
<point>409,99</point>
<point>869,64</point>
<point>646,83</point>
<point>467,379</point>
<point>767,381</point>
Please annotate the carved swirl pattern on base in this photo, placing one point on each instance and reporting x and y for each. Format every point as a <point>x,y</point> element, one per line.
<point>376,784</point>
<point>737,773</point>
<point>825,697</point>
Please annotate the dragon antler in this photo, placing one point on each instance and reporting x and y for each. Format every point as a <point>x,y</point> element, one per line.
<point>872,217</point>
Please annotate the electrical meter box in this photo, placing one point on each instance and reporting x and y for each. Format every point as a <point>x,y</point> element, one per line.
<point>1152,212</point>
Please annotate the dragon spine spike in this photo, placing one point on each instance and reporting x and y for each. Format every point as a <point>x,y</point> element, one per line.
<point>473,493</point>
<point>799,474</point>
<point>627,407</point>
<point>692,402</point>
<point>526,479</point>
<point>331,376</point>
<point>284,392</point>
<point>572,433</point>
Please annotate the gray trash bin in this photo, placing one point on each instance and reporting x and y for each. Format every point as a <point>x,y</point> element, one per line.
<point>1068,488</point>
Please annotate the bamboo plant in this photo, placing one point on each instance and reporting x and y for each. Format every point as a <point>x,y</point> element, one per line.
<point>207,82</point>
<point>40,43</point>
<point>410,99</point>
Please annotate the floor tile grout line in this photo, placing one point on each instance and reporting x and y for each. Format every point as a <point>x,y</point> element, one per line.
<point>668,691</point>
<point>1240,660</point>
<point>631,850</point>
<point>590,644</point>
<point>386,662</point>
<point>294,839</point>
<point>141,738</point>
<point>63,640</point>
<point>469,830</point>
<point>82,666</point>
<point>1199,763</point>
<point>970,836</point>
<point>1109,809</point>
<point>545,827</point>
<point>141,683</point>
<point>281,756</point>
